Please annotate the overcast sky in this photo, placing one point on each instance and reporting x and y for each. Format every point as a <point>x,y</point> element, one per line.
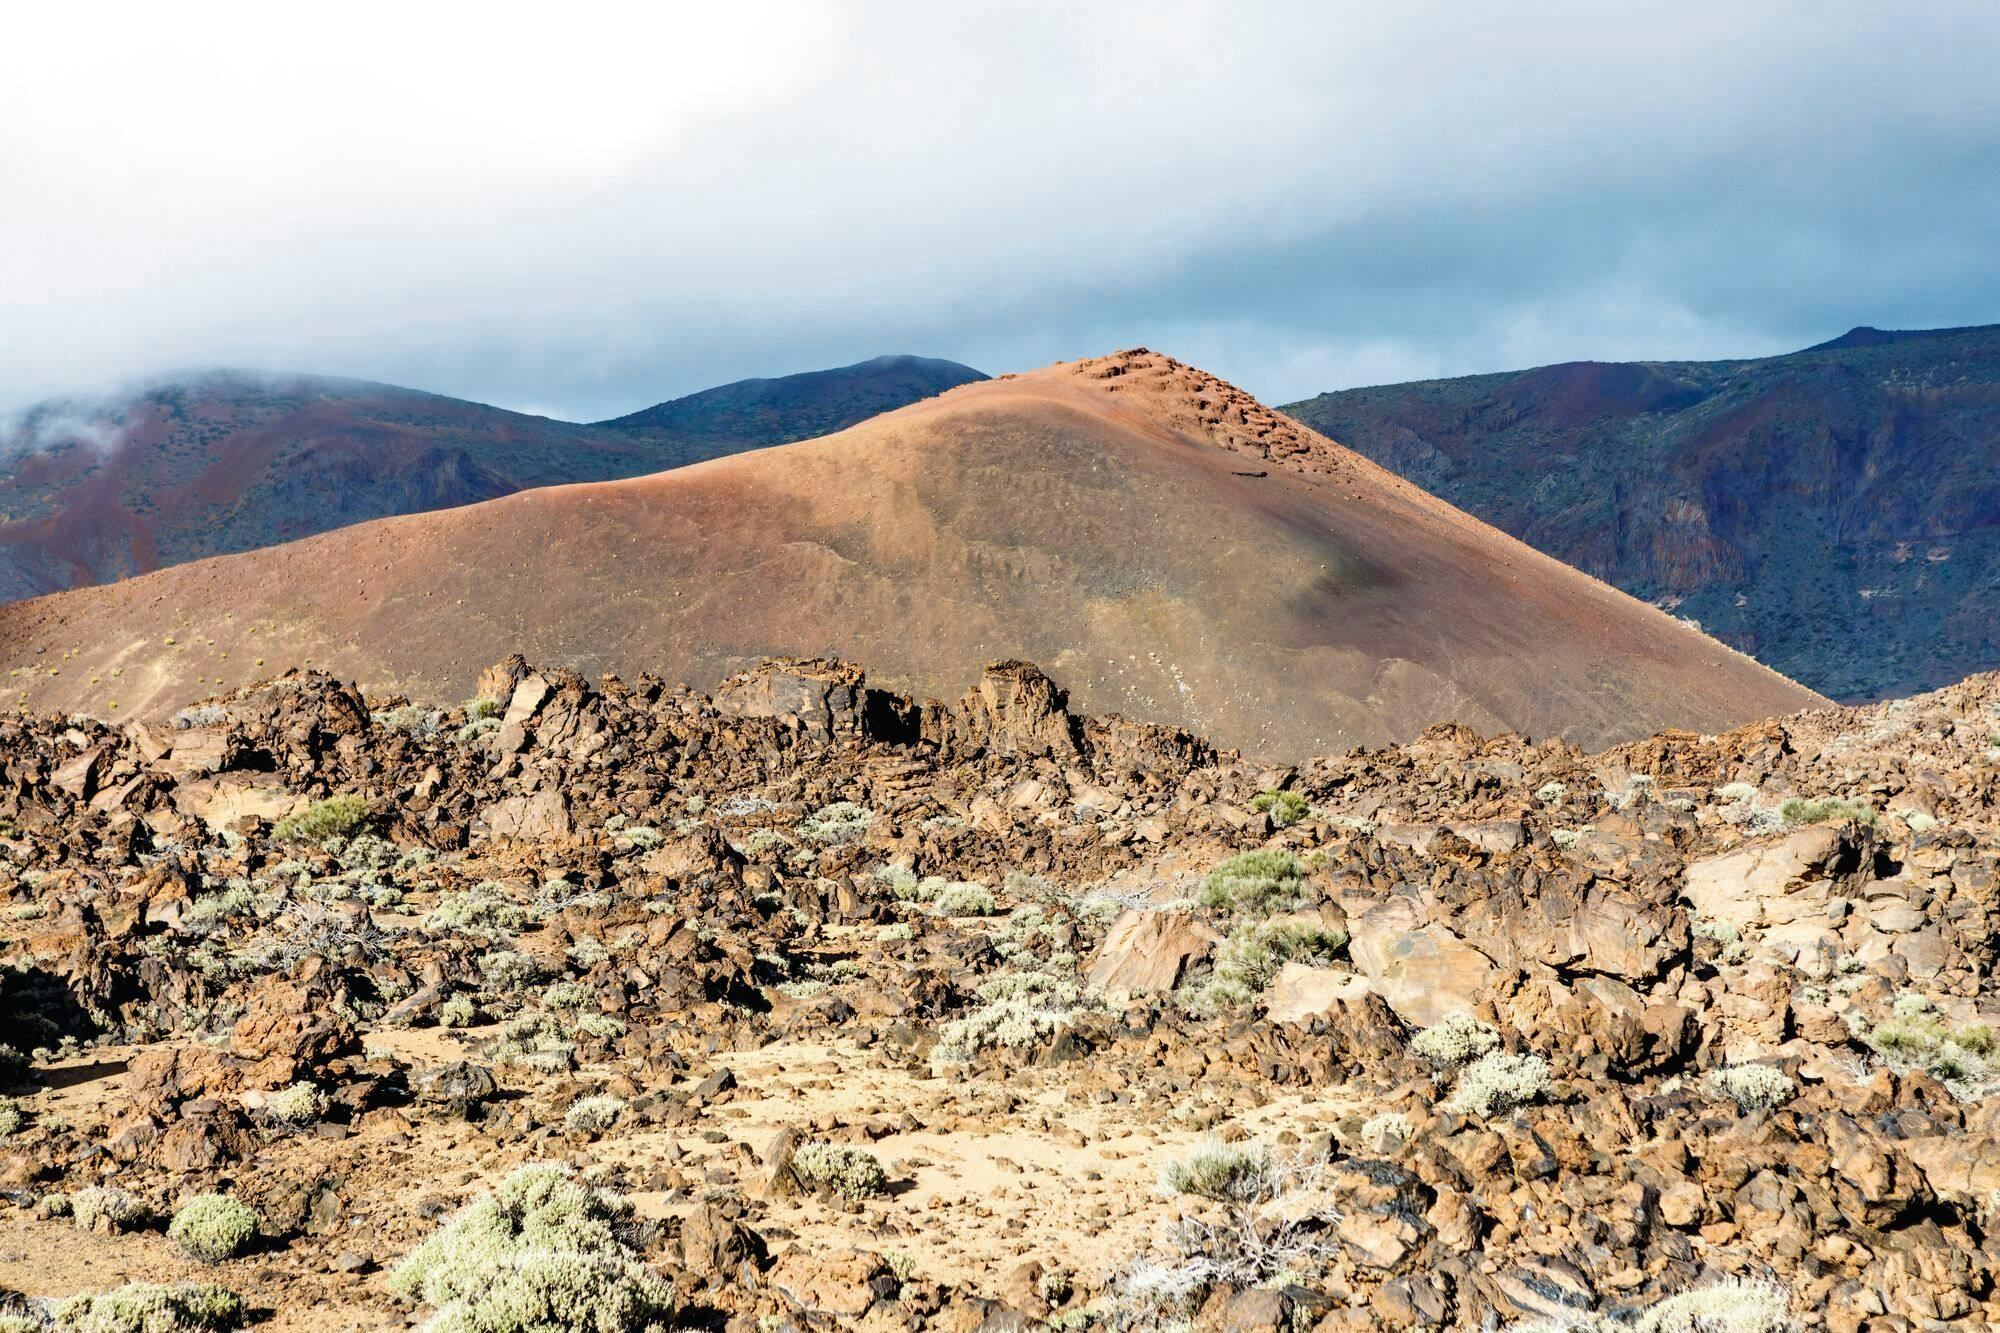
<point>580,210</point>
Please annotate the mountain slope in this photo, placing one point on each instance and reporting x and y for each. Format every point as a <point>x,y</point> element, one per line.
<point>1165,546</point>
<point>760,412</point>
<point>1834,511</point>
<point>207,464</point>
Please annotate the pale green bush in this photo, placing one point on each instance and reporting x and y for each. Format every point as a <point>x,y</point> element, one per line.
<point>1752,1087</point>
<point>106,1207</point>
<point>1499,1081</point>
<point>11,1118</point>
<point>543,1253</point>
<point>1213,1169</point>
<point>1830,810</point>
<point>593,1115</point>
<point>213,1227</point>
<point>335,817</point>
<point>299,1104</point>
<point>484,909</point>
<point>149,1307</point>
<point>1264,881</point>
<point>964,900</point>
<point>836,825</point>
<point>851,1173</point>
<point>1285,807</point>
<point>1733,1305</point>
<point>1456,1040</point>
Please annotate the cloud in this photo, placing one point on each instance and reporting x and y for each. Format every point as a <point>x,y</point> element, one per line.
<point>596,211</point>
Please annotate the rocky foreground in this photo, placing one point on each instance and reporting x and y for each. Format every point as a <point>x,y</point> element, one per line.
<point>610,1006</point>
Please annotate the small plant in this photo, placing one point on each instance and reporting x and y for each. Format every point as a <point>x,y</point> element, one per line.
<point>593,1115</point>
<point>1263,881</point>
<point>1551,793</point>
<point>506,969</point>
<point>1455,1041</point>
<point>1832,809</point>
<point>1286,808</point>
<point>1386,1132</point>
<point>1215,1170</point>
<point>851,1173</point>
<point>11,1118</point>
<point>1916,1037</point>
<point>961,899</point>
<point>150,1307</point>
<point>1020,1009</point>
<point>459,1011</point>
<point>1734,1305</point>
<point>543,1253</point>
<point>1728,941</point>
<point>836,825</point>
<point>107,1208</point>
<point>1499,1081</point>
<point>335,817</point>
<point>298,1105</point>
<point>1752,1087</point>
<point>1249,959</point>
<point>482,909</point>
<point>213,1227</point>
<point>1734,792</point>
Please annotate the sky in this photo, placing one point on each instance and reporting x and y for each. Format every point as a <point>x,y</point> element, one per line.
<point>582,209</point>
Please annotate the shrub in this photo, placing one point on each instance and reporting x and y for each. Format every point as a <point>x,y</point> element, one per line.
<point>1263,881</point>
<point>300,1104</point>
<point>1454,1041</point>
<point>836,824</point>
<point>11,1118</point>
<point>1733,1305</point>
<point>1736,791</point>
<point>148,1307</point>
<point>107,1208</point>
<point>480,910</point>
<point>1248,960</point>
<point>1798,811</point>
<point>213,1227</point>
<point>543,1253</point>
<point>1499,1081</point>
<point>335,817</point>
<point>1285,807</point>
<point>1917,1038</point>
<point>1751,1087</point>
<point>1020,1009</point>
<point>593,1115</point>
<point>1551,793</point>
<point>1386,1132</point>
<point>505,969</point>
<point>963,900</point>
<point>851,1173</point>
<point>1215,1170</point>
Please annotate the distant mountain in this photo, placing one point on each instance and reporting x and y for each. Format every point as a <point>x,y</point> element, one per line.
<point>98,489</point>
<point>1170,548</point>
<point>798,407</point>
<point>1835,512</point>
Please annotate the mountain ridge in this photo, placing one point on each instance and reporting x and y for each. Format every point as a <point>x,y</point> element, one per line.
<point>1107,517</point>
<point>221,460</point>
<point>1832,511</point>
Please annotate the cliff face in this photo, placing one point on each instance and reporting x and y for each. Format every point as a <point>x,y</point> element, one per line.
<point>1834,512</point>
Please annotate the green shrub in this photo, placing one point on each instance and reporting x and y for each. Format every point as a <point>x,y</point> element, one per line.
<point>11,1118</point>
<point>1499,1081</point>
<point>1454,1041</point>
<point>543,1253</point>
<point>836,824</point>
<point>1752,1087</point>
<point>1215,1170</point>
<point>148,1307</point>
<point>107,1208</point>
<point>851,1173</point>
<point>593,1115</point>
<point>1248,960</point>
<point>1020,1009</point>
<point>1733,1305</point>
<point>335,817</point>
<point>1830,810</point>
<point>1285,807</point>
<point>298,1105</point>
<point>482,909</point>
<point>961,899</point>
<point>213,1227</point>
<point>1263,881</point>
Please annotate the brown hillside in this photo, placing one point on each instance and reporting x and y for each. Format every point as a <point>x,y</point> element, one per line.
<point>1166,546</point>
